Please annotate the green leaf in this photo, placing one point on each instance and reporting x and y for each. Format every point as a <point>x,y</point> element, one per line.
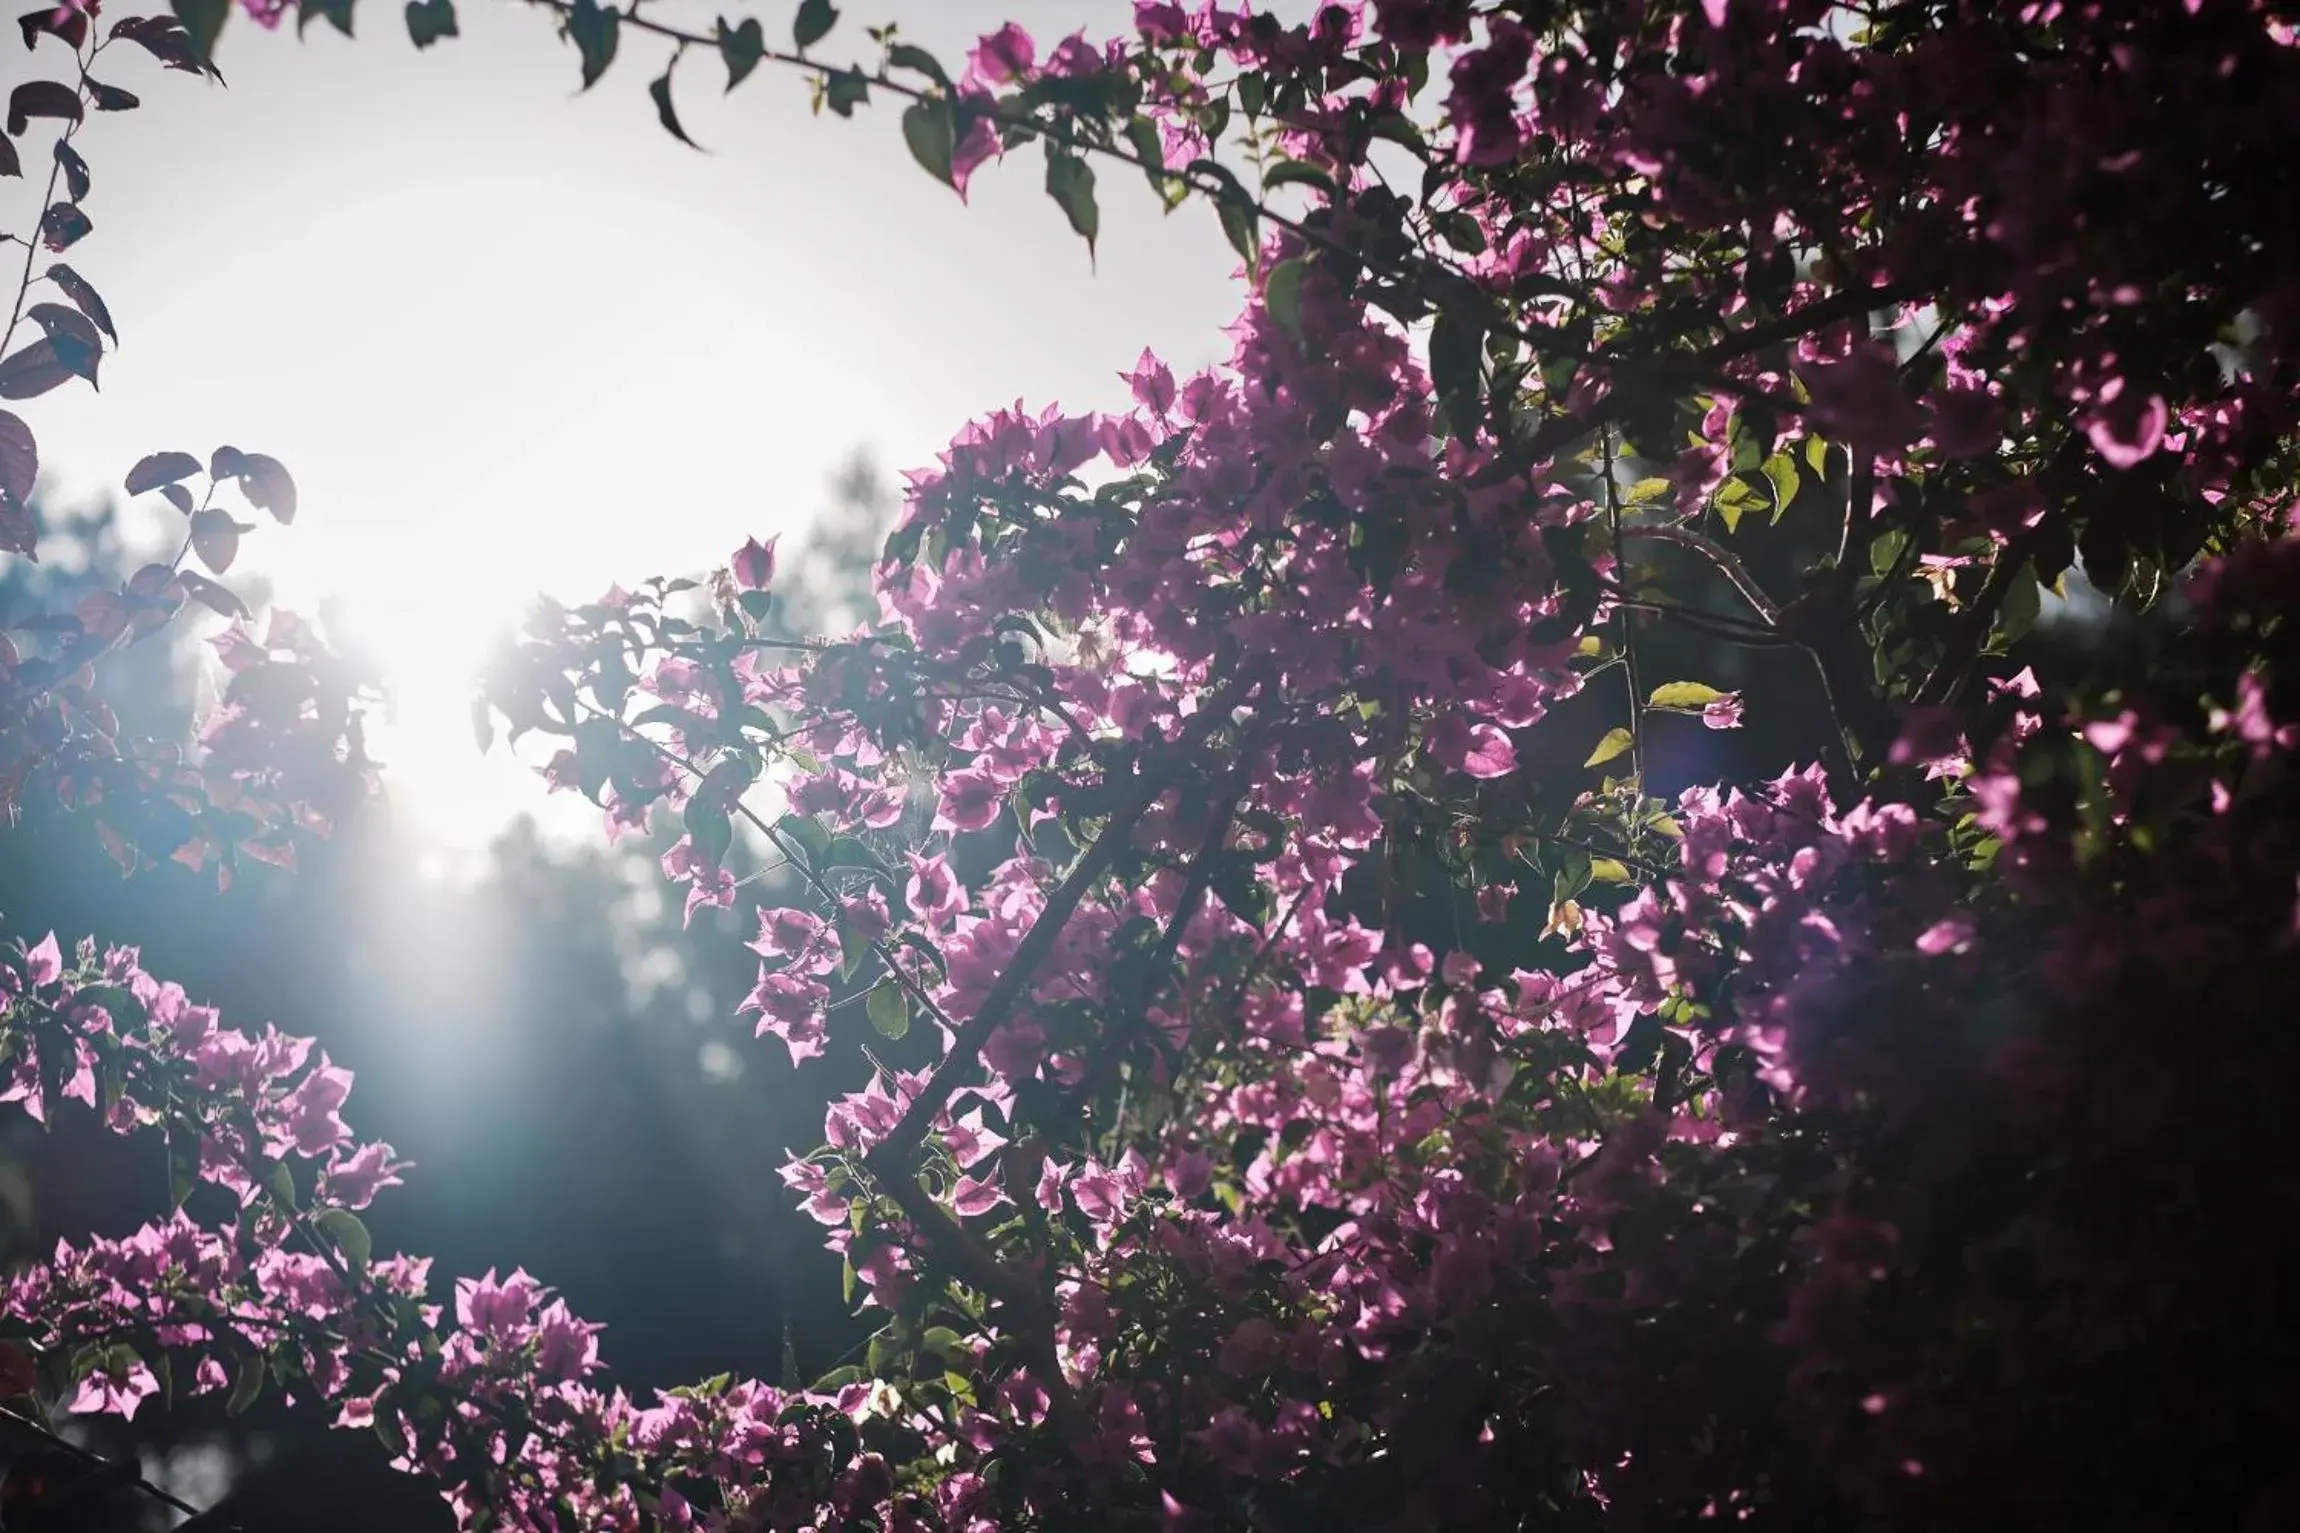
<point>1683,694</point>
<point>1457,343</point>
<point>1239,221</point>
<point>2023,601</point>
<point>910,56</point>
<point>1070,182</point>
<point>846,90</point>
<point>1780,471</point>
<point>203,23</point>
<point>247,1388</point>
<point>430,20</point>
<point>350,1237</point>
<point>594,29</point>
<point>812,839</point>
<point>889,1011</point>
<point>1606,870</point>
<point>711,830</point>
<point>667,114</point>
<point>337,12</point>
<point>928,130</point>
<point>1282,296</point>
<point>1294,172</point>
<point>1885,552</point>
<point>742,47</point>
<point>813,23</point>
<point>1614,742</point>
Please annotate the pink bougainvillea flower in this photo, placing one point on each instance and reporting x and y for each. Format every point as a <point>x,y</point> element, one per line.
<point>1479,750</point>
<point>754,564</point>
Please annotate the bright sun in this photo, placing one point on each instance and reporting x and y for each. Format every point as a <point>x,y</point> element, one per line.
<point>429,622</point>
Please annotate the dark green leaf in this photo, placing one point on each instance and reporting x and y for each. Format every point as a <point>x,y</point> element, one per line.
<point>889,1010</point>
<point>336,12</point>
<point>1070,182</point>
<point>203,23</point>
<point>928,130</point>
<point>348,1235</point>
<point>813,23</point>
<point>110,98</point>
<point>712,831</point>
<point>85,297</point>
<point>1457,342</point>
<point>1294,172</point>
<point>1240,226</point>
<point>430,20</point>
<point>594,29</point>
<point>247,1388</point>
<point>1282,296</point>
<point>665,113</point>
<point>846,90</point>
<point>742,47</point>
<point>813,841</point>
<point>908,56</point>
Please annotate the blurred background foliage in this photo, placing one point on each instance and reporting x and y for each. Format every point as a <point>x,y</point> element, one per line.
<point>534,1029</point>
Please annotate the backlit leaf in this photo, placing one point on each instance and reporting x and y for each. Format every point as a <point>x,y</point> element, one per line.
<point>1610,745</point>
<point>1282,296</point>
<point>32,371</point>
<point>265,481</point>
<point>77,344</point>
<point>85,297</point>
<point>215,538</point>
<point>1683,694</point>
<point>161,468</point>
<point>889,1010</point>
<point>19,458</point>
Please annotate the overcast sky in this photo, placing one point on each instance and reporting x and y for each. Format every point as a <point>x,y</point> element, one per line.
<point>507,336</point>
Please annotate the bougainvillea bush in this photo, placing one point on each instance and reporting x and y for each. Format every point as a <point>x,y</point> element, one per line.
<point>1321,1068</point>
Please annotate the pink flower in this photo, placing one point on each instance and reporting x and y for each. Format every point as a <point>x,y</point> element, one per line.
<point>109,1392</point>
<point>1003,56</point>
<point>2126,426</point>
<point>971,799</point>
<point>1724,712</point>
<point>44,965</point>
<point>754,564</point>
<point>1478,750</point>
<point>1152,382</point>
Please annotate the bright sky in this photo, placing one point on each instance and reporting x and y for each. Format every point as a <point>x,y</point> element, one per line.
<point>510,338</point>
